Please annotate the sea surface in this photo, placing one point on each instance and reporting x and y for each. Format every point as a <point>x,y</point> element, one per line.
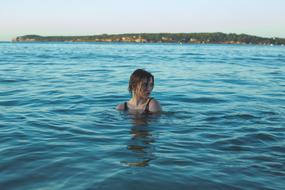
<point>222,125</point>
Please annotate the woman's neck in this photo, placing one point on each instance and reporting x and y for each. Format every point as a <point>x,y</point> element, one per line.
<point>137,101</point>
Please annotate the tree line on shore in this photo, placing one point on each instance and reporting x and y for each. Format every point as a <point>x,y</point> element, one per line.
<point>195,38</point>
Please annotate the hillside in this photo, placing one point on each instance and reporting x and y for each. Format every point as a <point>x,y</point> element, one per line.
<point>195,38</point>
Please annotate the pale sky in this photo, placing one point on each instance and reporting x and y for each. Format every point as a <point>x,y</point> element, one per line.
<point>264,18</point>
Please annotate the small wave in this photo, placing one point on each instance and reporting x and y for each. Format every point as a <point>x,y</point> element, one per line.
<point>280,149</point>
<point>9,103</point>
<point>256,59</point>
<point>204,100</point>
<point>244,142</point>
<point>100,70</point>
<point>274,73</point>
<point>8,80</point>
<point>235,81</point>
<point>241,116</point>
<point>200,54</point>
<point>45,56</point>
<point>12,80</point>
<point>236,148</point>
<point>268,113</point>
<point>12,92</point>
<point>234,144</point>
<point>262,137</point>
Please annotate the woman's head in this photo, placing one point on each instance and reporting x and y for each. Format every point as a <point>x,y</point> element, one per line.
<point>141,83</point>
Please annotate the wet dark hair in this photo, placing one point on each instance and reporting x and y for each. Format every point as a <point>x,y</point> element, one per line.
<point>137,77</point>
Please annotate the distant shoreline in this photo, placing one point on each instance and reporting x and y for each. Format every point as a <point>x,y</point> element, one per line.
<point>185,38</point>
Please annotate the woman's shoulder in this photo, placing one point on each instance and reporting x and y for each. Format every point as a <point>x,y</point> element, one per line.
<point>121,106</point>
<point>154,106</point>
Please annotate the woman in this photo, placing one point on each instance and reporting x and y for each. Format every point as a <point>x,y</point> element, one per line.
<point>140,86</point>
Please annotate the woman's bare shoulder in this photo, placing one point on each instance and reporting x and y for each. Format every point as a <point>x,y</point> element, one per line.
<point>120,106</point>
<point>154,106</point>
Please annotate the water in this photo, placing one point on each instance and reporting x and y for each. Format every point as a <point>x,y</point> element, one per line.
<point>223,125</point>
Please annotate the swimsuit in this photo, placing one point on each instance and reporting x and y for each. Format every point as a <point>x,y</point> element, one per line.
<point>146,110</point>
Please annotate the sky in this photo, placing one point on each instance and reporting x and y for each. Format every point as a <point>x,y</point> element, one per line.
<point>265,18</point>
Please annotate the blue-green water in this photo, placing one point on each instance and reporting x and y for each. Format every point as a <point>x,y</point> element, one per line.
<point>223,125</point>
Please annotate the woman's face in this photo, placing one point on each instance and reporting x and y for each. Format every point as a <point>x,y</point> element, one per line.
<point>145,88</point>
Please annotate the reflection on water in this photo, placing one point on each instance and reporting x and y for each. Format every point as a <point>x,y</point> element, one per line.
<point>142,119</point>
<point>141,142</point>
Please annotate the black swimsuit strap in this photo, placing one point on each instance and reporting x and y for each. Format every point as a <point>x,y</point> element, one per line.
<point>126,106</point>
<point>147,105</point>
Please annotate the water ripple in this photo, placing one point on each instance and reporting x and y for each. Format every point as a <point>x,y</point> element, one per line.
<point>222,125</point>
